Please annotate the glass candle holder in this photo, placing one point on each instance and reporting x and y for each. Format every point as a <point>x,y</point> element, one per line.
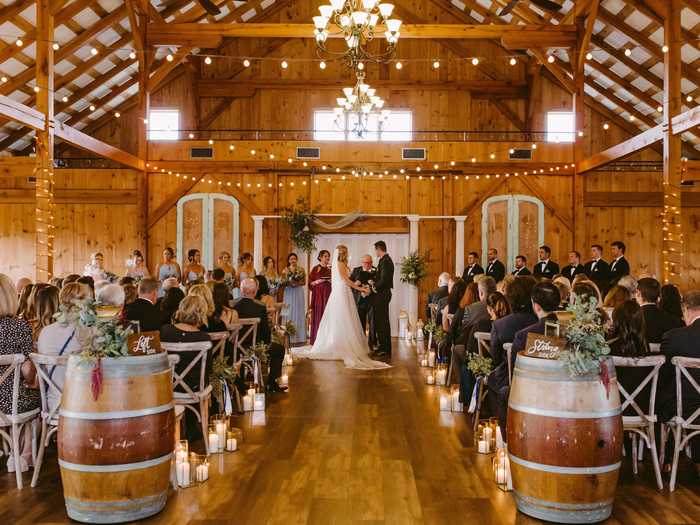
<point>182,450</point>
<point>430,378</point>
<point>501,470</point>
<point>221,426</point>
<point>231,441</point>
<point>184,473</point>
<point>441,373</point>
<point>457,405</point>
<point>483,437</point>
<point>259,401</point>
<point>445,402</point>
<point>213,439</point>
<point>235,432</point>
<point>200,466</point>
<point>431,358</point>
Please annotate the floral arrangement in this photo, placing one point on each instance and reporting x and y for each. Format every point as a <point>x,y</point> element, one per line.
<point>98,336</point>
<point>413,268</point>
<point>300,219</point>
<point>111,277</point>
<point>436,330</point>
<point>297,276</point>
<point>479,365</point>
<point>282,332</point>
<point>222,372</point>
<point>586,346</point>
<point>259,351</point>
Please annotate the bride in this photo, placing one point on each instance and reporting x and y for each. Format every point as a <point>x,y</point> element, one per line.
<point>340,336</point>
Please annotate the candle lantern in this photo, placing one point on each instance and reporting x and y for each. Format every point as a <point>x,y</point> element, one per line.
<point>445,402</point>
<point>441,373</point>
<point>457,405</point>
<point>213,440</point>
<point>430,378</point>
<point>200,466</point>
<point>419,330</point>
<point>221,426</point>
<point>236,432</point>
<point>182,450</point>
<point>484,437</point>
<point>284,380</point>
<point>259,401</point>
<point>288,359</point>
<point>431,358</point>
<point>184,473</point>
<point>231,441</point>
<point>501,470</point>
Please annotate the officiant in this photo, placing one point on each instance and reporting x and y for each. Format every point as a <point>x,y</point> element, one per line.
<point>365,275</point>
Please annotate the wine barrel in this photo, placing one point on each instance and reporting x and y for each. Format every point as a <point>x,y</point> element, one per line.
<point>564,441</point>
<point>114,453</point>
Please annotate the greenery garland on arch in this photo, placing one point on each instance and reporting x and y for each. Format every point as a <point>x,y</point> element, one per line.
<point>300,218</point>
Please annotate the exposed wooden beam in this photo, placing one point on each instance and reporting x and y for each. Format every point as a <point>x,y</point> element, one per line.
<point>71,196</point>
<point>12,110</point>
<point>12,10</point>
<point>210,35</point>
<point>86,142</point>
<point>505,110</point>
<point>555,69</point>
<point>592,13</point>
<point>621,150</point>
<point>539,192</point>
<point>636,199</point>
<point>157,78</point>
<point>170,201</point>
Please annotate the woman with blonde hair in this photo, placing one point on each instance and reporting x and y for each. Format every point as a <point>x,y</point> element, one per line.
<point>224,263</point>
<point>45,306</point>
<point>211,324</point>
<point>340,335</point>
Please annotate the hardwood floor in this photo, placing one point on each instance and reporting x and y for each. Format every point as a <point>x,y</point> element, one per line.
<point>347,446</point>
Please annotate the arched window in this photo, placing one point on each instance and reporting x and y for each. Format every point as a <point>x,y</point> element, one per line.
<point>208,222</point>
<point>514,225</point>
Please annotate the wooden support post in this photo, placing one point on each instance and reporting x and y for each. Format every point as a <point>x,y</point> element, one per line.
<point>578,188</point>
<point>44,172</point>
<point>143,111</point>
<point>672,251</point>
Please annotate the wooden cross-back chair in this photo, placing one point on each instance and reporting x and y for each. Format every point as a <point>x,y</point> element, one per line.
<point>46,368</point>
<point>15,420</point>
<point>642,423</point>
<point>684,428</point>
<point>219,341</point>
<point>247,329</point>
<point>195,400</point>
<point>483,340</point>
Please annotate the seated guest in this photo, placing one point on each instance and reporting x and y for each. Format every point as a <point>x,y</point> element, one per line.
<point>585,290</point>
<point>144,308</point>
<point>473,267</point>
<point>126,280</point>
<point>497,307</point>
<point>495,268</point>
<point>619,267</point>
<point>437,294</point>
<point>130,293</point>
<point>656,321</point>
<point>670,301</point>
<point>502,285</point>
<point>681,342</point>
<point>629,282</point>
<point>520,266</point>
<point>70,278</point>
<point>615,297</point>
<point>56,281</point>
<point>218,275</point>
<point>22,283</point>
<point>60,338</point>
<point>627,340</point>
<point>46,304</point>
<point>213,323</point>
<point>89,282</point>
<point>453,304</point>
<point>562,284</point>
<point>110,299</point>
<point>263,293</point>
<point>442,302</point>
<point>597,270</point>
<point>503,331</point>
<point>16,337</point>
<point>248,308</point>
<point>23,303</point>
<point>574,267</point>
<point>222,309</point>
<point>170,303</point>
<point>545,268</point>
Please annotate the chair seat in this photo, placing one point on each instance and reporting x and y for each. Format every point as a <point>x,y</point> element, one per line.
<point>637,421</point>
<point>184,398</point>
<point>20,418</point>
<point>179,411</point>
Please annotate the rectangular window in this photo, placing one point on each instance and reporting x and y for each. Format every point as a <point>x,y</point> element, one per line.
<point>560,126</point>
<point>163,124</point>
<point>397,128</point>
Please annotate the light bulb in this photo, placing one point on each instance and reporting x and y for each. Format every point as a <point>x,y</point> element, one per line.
<point>533,146</point>
<point>169,57</point>
<point>589,56</point>
<point>399,65</point>
<point>475,61</point>
<point>452,163</point>
<point>550,59</point>
<point>360,66</point>
<point>3,79</point>
<point>511,151</point>
<point>207,60</point>
<point>231,147</point>
<point>246,63</point>
<point>19,42</point>
<point>117,114</point>
<point>252,152</point>
<point>606,126</point>
<point>664,49</point>
<point>191,135</point>
<point>631,118</point>
<point>492,156</point>
<point>132,55</point>
<point>322,65</point>
<point>436,64</point>
<point>92,107</point>
<point>36,89</point>
<point>272,156</point>
<point>284,64</point>
<point>93,51</point>
<point>55,46</point>
<point>64,99</point>
<point>145,121</point>
<point>689,98</point>
<point>513,61</point>
<point>628,52</point>
<point>580,133</point>
<point>660,109</point>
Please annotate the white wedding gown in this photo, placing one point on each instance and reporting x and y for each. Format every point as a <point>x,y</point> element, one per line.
<point>340,336</point>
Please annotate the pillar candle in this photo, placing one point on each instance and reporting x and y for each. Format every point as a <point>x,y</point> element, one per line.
<point>284,380</point>
<point>259,401</point>
<point>445,402</point>
<point>213,442</point>
<point>483,446</point>
<point>431,358</point>
<point>182,472</point>
<point>430,379</point>
<point>488,435</point>
<point>202,472</point>
<point>221,434</point>
<point>231,444</point>
<point>247,403</point>
<point>442,377</point>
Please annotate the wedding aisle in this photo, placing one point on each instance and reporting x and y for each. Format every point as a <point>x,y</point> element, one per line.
<point>347,447</point>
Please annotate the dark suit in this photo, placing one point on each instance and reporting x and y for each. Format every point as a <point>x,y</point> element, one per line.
<point>600,274</point>
<point>473,314</point>
<point>149,317</point>
<point>547,271</point>
<point>679,342</point>
<point>252,309</point>
<point>496,270</point>
<point>521,271</point>
<point>434,297</point>
<point>503,331</point>
<point>364,304</point>
<point>380,306</point>
<point>570,271</point>
<point>471,271</point>
<point>658,322</point>
<point>618,268</point>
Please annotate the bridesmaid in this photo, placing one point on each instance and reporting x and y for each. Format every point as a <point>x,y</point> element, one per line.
<point>194,271</point>
<point>168,268</point>
<point>320,284</point>
<point>224,263</point>
<point>270,273</point>
<point>137,268</point>
<point>294,279</point>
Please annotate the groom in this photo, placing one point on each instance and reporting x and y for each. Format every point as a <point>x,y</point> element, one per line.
<point>380,305</point>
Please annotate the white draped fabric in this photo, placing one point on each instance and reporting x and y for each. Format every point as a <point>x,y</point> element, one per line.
<point>360,244</point>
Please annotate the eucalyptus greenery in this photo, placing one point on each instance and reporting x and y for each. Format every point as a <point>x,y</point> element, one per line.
<point>479,365</point>
<point>436,330</point>
<point>261,351</point>
<point>282,332</point>
<point>222,371</point>
<point>300,219</point>
<point>413,268</point>
<point>586,346</point>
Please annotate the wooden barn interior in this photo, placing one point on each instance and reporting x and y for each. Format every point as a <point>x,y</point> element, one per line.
<point>84,170</point>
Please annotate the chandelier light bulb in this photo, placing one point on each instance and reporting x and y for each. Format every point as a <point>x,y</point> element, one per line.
<point>386,9</point>
<point>360,66</point>
<point>513,61</point>
<point>191,135</point>
<point>246,63</point>
<point>207,60</point>
<point>326,11</point>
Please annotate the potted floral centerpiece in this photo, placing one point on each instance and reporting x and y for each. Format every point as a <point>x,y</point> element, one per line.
<point>413,268</point>
<point>116,424</point>
<point>564,421</point>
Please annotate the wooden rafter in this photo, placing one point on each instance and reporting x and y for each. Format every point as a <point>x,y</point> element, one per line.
<point>511,115</point>
<point>586,37</point>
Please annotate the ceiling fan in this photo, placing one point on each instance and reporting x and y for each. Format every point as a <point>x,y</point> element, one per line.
<point>209,6</point>
<point>544,4</point>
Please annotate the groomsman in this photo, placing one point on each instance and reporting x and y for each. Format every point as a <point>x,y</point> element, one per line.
<point>495,267</point>
<point>597,269</point>
<point>545,268</point>
<point>520,268</point>
<point>473,267</point>
<point>363,275</point>
<point>574,267</point>
<point>619,267</point>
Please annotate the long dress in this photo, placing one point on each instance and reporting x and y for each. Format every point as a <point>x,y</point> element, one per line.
<point>296,309</point>
<point>319,296</point>
<point>340,336</point>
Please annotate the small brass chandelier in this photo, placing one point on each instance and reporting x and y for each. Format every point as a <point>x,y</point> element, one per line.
<point>358,21</point>
<point>359,106</point>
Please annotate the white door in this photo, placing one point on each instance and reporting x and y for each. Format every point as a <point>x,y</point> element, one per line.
<point>514,225</point>
<point>209,223</point>
<point>363,243</point>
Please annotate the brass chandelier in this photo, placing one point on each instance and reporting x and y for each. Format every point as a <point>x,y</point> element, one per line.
<point>359,106</point>
<point>359,21</point>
